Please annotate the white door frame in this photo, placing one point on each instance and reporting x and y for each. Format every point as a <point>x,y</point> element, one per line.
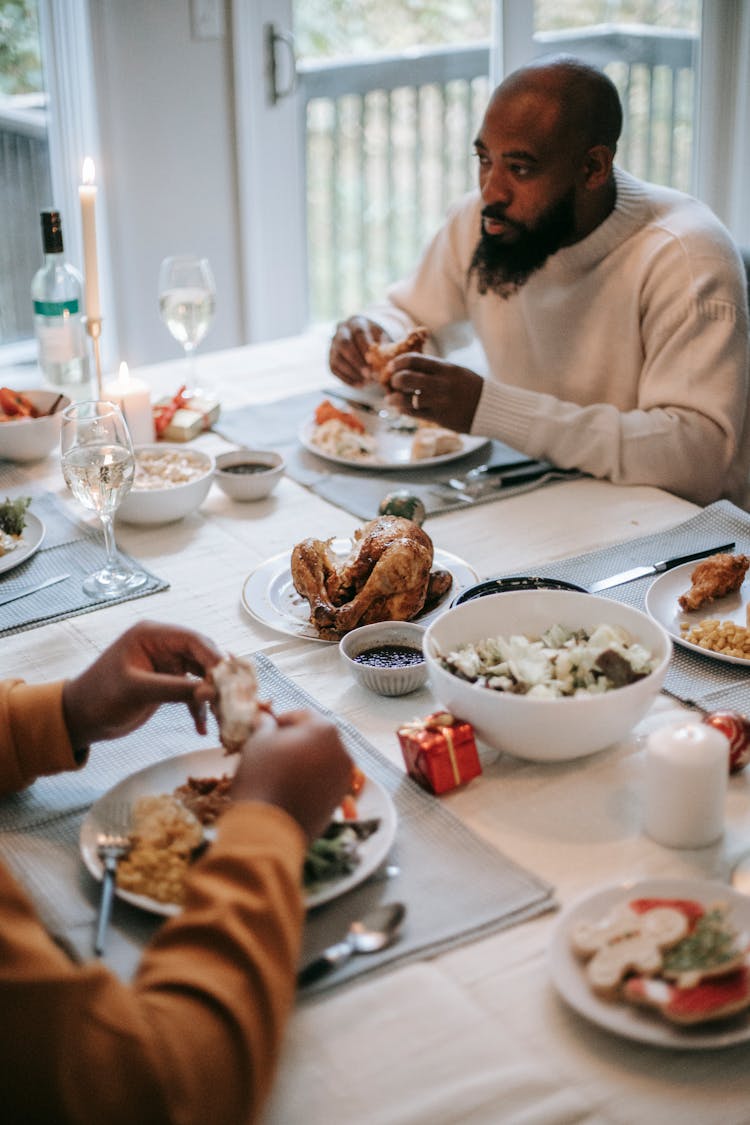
<point>270,170</point>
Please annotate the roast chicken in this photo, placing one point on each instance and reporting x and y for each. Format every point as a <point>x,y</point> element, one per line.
<point>379,355</point>
<point>713,578</point>
<point>387,576</point>
<point>236,707</point>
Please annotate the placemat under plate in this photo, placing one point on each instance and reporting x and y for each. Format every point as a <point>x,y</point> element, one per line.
<point>68,548</point>
<point>274,425</point>
<point>456,887</point>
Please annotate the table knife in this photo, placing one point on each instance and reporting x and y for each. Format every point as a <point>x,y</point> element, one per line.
<point>655,568</point>
<point>33,589</point>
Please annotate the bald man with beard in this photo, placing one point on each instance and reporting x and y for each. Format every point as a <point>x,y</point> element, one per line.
<point>612,313</point>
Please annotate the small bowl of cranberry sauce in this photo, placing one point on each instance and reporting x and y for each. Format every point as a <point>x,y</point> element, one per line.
<point>386,657</point>
<point>248,474</point>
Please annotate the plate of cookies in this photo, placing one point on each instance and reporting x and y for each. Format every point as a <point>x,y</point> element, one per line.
<point>660,961</point>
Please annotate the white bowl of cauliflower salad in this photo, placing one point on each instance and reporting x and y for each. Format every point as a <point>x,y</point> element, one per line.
<point>547,675</point>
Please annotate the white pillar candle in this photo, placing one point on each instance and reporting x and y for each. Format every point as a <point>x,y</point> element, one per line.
<point>686,772</point>
<point>134,399</point>
<point>87,199</point>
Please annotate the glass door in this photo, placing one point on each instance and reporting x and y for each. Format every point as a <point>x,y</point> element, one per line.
<point>366,123</point>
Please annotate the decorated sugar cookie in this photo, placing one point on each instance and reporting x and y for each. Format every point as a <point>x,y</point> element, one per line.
<point>627,942</point>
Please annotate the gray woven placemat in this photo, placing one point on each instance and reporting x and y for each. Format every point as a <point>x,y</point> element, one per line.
<point>703,680</point>
<point>275,425</point>
<point>455,886</point>
<point>68,548</point>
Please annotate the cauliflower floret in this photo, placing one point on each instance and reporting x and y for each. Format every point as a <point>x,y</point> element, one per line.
<point>562,662</point>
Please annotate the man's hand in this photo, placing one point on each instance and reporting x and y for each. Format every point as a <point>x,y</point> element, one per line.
<point>349,346</point>
<point>435,390</point>
<point>149,665</point>
<point>299,764</point>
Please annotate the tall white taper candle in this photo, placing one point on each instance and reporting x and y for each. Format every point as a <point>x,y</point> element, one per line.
<point>87,198</point>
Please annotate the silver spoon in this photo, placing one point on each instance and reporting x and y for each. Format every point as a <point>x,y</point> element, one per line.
<point>372,933</point>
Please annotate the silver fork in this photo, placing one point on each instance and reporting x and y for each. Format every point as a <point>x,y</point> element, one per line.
<point>111,846</point>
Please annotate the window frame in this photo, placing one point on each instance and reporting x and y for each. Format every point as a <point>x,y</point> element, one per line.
<point>72,133</point>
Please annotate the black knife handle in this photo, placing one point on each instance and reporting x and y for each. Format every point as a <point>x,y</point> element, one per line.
<point>503,468</point>
<point>668,564</point>
<point>314,971</point>
<point>329,959</point>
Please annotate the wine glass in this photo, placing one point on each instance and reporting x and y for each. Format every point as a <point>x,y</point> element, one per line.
<point>187,299</point>
<point>98,464</point>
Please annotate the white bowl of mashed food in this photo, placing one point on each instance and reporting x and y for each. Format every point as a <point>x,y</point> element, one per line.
<point>170,482</point>
<point>547,675</point>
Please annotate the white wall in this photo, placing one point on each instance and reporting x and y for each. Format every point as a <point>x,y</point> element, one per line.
<point>168,164</point>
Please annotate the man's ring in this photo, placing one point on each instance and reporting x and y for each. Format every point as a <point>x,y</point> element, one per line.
<point>415,400</point>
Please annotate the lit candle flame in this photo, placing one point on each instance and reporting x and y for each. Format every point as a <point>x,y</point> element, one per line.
<point>89,172</point>
<point>123,373</point>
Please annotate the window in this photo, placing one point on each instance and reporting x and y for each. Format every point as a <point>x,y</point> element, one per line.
<point>649,48</point>
<point>45,46</point>
<point>25,179</point>
<point>391,96</point>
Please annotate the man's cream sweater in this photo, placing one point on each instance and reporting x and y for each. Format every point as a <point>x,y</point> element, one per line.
<point>626,355</point>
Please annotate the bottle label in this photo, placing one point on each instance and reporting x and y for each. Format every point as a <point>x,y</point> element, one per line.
<point>56,308</point>
<point>60,343</point>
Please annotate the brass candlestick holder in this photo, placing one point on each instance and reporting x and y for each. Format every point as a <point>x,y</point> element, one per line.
<point>94,330</point>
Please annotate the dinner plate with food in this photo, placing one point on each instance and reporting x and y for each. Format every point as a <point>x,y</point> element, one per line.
<point>366,440</point>
<point>174,805</point>
<point>661,961</point>
<point>322,589</point>
<point>21,533</point>
<point>705,606</point>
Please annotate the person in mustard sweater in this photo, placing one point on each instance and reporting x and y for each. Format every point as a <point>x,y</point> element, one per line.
<point>611,313</point>
<point>196,1036</point>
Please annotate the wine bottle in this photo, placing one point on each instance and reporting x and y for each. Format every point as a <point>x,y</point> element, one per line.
<point>56,292</point>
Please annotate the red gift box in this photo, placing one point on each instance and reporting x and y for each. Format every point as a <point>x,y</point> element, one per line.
<point>440,752</point>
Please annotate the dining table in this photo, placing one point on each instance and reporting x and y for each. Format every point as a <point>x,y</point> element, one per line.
<point>472,1029</point>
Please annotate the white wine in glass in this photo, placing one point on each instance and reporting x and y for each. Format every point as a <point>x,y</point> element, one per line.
<point>98,464</point>
<point>187,300</point>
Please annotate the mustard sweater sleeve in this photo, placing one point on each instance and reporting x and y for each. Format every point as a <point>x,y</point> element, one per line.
<point>33,735</point>
<point>195,1038</point>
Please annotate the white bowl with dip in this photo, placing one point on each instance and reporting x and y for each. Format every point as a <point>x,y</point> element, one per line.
<point>544,729</point>
<point>248,474</point>
<point>386,657</point>
<point>170,482</point>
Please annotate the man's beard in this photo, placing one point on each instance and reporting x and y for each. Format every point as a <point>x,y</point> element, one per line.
<point>502,267</point>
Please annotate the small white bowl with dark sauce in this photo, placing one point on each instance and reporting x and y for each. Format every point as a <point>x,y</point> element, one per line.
<point>248,474</point>
<point>386,657</point>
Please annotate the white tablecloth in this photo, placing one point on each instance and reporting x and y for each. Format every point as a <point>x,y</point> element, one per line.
<point>477,1035</point>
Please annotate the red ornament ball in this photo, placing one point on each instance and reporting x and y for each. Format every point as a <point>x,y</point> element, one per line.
<point>737,730</point>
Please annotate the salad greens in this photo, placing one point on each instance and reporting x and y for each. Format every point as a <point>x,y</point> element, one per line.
<point>13,515</point>
<point>336,852</point>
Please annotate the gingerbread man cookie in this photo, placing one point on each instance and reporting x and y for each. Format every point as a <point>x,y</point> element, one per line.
<point>627,942</point>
